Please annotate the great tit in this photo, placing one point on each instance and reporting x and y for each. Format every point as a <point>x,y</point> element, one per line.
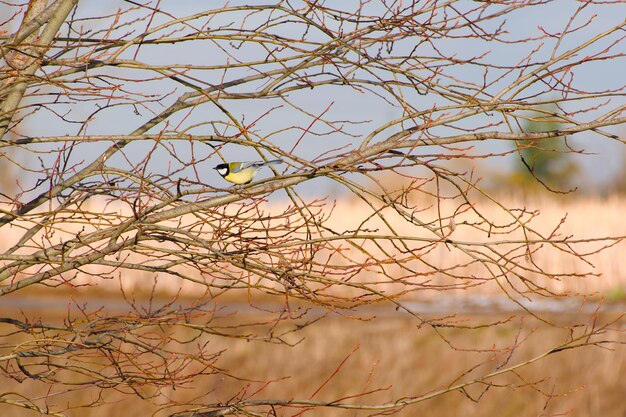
<point>242,172</point>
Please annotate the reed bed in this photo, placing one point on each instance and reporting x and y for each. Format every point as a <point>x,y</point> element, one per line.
<point>592,218</point>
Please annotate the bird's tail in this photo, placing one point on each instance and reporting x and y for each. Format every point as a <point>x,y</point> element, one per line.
<point>272,162</point>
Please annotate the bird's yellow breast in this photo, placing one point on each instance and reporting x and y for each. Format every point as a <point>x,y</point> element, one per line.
<point>241,177</point>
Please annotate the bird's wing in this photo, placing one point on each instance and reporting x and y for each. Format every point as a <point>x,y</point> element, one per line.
<point>256,165</point>
<point>245,165</point>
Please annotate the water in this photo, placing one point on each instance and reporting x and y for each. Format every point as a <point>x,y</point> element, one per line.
<point>445,304</point>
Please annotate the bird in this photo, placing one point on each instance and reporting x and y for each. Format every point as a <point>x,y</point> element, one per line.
<point>241,173</point>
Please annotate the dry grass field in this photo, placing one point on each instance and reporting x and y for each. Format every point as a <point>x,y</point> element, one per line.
<point>385,359</point>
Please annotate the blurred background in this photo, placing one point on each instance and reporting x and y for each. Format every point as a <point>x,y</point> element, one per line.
<point>374,353</point>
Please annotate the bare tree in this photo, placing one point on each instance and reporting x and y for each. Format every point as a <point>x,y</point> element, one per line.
<point>114,115</point>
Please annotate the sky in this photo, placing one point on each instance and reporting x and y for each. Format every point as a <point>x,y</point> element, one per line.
<point>605,159</point>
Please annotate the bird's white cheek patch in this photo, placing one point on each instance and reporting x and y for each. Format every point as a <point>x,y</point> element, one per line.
<point>222,171</point>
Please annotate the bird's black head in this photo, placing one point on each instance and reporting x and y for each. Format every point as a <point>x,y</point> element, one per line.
<point>222,169</point>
